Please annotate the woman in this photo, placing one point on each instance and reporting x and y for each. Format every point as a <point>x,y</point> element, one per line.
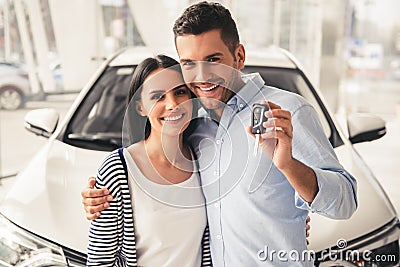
<point>158,216</point>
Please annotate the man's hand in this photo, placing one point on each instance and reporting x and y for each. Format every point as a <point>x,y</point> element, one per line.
<point>308,227</point>
<point>95,200</point>
<point>276,142</point>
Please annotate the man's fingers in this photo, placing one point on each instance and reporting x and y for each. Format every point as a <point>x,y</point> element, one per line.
<point>91,182</point>
<point>96,208</point>
<point>272,105</point>
<point>276,134</point>
<point>308,227</point>
<point>248,130</point>
<point>91,193</point>
<point>280,123</point>
<point>278,113</point>
<point>91,217</point>
<point>94,201</point>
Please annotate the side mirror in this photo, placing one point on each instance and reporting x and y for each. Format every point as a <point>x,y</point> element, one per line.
<point>41,122</point>
<point>365,127</point>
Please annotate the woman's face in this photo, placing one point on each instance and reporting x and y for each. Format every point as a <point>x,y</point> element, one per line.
<point>166,101</point>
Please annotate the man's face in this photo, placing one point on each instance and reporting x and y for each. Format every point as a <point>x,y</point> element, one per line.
<point>209,68</point>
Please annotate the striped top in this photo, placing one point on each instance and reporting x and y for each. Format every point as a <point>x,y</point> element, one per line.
<point>112,235</point>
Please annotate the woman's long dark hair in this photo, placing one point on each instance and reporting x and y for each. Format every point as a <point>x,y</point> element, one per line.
<point>138,126</point>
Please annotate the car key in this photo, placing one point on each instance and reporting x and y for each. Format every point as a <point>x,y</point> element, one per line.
<point>257,128</point>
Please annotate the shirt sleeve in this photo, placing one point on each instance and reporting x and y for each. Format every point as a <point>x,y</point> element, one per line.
<point>103,243</point>
<point>336,197</point>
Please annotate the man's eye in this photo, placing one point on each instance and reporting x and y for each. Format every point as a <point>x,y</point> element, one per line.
<point>213,59</point>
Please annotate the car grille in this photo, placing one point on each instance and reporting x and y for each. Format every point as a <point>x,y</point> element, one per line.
<point>74,258</point>
<point>382,246</point>
<point>391,253</point>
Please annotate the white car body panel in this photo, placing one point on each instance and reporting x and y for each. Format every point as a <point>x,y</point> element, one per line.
<point>45,198</point>
<point>373,211</point>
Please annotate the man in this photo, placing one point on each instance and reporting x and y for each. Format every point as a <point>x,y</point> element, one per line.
<point>253,201</point>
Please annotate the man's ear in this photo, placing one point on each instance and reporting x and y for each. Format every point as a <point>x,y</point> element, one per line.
<point>240,54</point>
<point>139,108</point>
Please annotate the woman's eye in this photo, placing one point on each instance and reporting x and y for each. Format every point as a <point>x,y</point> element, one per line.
<point>181,92</point>
<point>157,96</point>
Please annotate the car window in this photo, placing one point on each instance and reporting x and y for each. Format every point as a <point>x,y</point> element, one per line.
<point>97,122</point>
<point>291,80</point>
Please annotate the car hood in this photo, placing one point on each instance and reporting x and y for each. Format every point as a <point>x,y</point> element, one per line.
<point>374,207</point>
<point>45,197</point>
<point>46,200</point>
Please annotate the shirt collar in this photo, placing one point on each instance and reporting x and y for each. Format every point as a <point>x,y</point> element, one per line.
<point>253,84</point>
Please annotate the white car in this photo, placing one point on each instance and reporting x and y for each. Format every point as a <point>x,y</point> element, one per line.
<point>42,222</point>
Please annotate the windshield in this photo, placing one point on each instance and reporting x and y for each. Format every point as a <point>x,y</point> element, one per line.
<point>97,123</point>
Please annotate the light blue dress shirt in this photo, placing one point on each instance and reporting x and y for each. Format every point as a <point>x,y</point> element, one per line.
<point>252,209</point>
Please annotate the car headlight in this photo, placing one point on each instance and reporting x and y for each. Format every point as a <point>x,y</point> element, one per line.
<point>377,249</point>
<point>20,248</point>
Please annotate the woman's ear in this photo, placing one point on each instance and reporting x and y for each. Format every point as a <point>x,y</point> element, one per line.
<point>139,108</point>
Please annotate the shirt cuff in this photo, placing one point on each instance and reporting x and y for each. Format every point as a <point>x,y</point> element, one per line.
<point>328,190</point>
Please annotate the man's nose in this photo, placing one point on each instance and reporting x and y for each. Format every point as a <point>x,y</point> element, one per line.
<point>200,72</point>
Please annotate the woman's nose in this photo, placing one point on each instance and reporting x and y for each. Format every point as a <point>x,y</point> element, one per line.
<point>171,103</point>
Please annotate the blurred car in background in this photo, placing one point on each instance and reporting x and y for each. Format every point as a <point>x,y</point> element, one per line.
<point>14,85</point>
<point>42,222</point>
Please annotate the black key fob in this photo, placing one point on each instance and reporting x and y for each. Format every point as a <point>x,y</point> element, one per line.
<point>258,118</point>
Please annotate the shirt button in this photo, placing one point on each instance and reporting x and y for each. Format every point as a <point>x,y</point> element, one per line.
<point>216,205</point>
<point>218,142</point>
<point>216,173</point>
<point>241,105</point>
<point>218,236</point>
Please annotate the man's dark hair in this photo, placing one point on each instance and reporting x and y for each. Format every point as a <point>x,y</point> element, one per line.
<point>206,16</point>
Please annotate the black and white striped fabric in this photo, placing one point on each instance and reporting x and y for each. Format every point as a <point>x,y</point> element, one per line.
<point>112,235</point>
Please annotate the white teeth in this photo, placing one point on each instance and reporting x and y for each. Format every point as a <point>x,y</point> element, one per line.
<point>209,88</point>
<point>173,118</point>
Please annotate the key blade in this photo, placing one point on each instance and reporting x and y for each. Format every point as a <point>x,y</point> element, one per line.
<point>256,145</point>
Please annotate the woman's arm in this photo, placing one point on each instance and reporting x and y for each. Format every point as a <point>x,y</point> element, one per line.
<point>106,231</point>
